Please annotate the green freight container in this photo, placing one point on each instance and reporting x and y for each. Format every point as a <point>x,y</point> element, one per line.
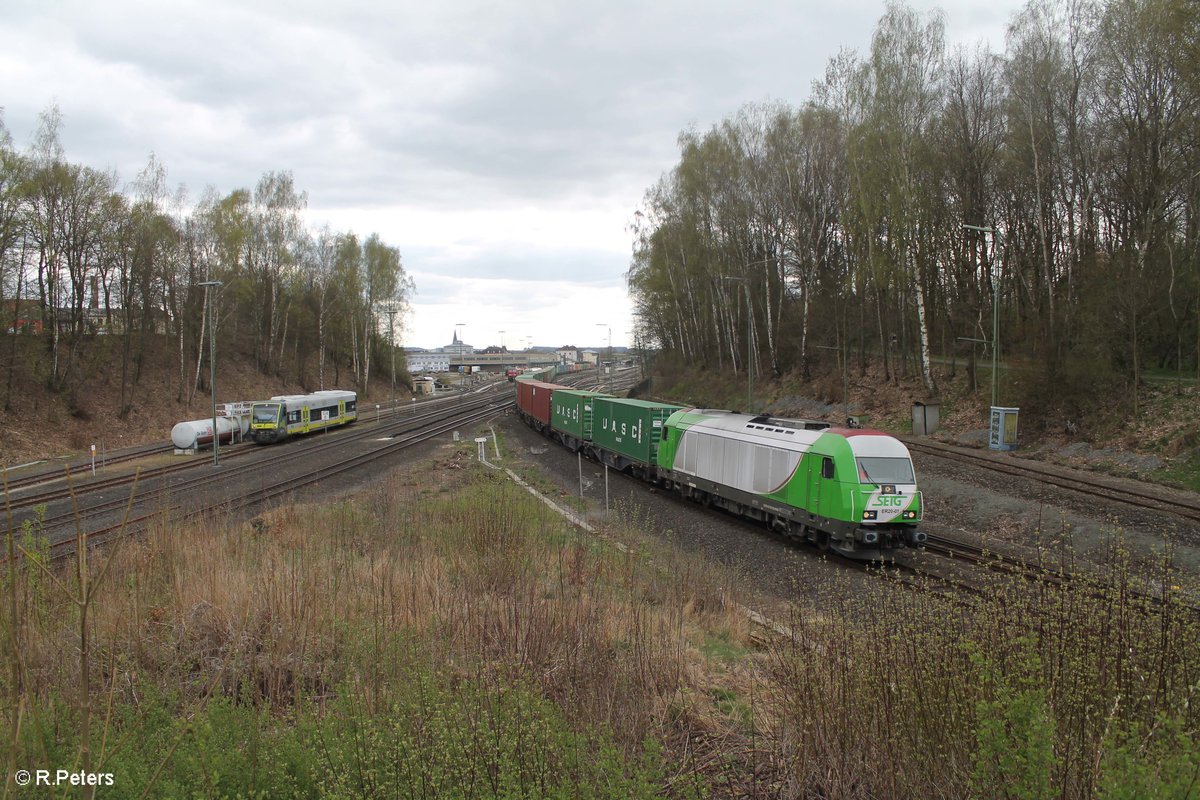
<point>631,429</point>
<point>571,412</point>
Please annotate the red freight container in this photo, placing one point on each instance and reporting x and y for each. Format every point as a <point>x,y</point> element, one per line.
<point>533,399</point>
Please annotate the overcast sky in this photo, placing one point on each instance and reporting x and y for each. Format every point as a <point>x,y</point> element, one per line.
<point>502,147</point>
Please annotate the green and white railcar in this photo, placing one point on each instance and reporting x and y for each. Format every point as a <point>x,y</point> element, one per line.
<point>853,490</point>
<point>289,415</point>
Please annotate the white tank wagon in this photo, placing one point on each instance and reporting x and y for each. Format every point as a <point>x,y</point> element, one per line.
<point>199,432</point>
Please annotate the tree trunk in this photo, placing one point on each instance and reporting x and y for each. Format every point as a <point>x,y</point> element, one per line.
<point>12,361</point>
<point>923,328</point>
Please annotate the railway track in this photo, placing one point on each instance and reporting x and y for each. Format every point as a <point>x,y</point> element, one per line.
<point>91,505</point>
<point>21,477</point>
<point>942,573</point>
<point>1145,496</point>
<point>385,430</point>
<point>1050,575</point>
<point>60,504</point>
<point>78,483</point>
<point>41,475</point>
<point>101,509</point>
<point>72,480</point>
<point>273,489</point>
<point>992,560</point>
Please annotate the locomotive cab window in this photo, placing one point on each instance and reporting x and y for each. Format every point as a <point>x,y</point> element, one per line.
<point>827,467</point>
<point>885,470</point>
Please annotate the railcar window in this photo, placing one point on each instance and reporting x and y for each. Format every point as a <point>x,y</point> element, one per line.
<point>885,470</point>
<point>265,413</point>
<point>827,467</point>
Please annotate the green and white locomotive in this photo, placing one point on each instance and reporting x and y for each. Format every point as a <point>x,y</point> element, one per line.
<point>852,490</point>
<point>849,489</point>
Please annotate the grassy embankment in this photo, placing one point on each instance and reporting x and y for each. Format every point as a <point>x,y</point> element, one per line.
<point>460,639</point>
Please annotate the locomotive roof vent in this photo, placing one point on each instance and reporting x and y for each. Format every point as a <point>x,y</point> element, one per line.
<point>779,425</point>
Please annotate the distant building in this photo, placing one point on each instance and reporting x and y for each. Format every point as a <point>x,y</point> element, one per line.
<point>568,354</point>
<point>457,348</point>
<point>428,362</point>
<point>21,316</point>
<point>437,360</point>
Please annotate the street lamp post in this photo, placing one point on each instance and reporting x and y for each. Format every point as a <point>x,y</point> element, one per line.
<point>610,355</point>
<point>749,344</point>
<point>458,326</point>
<point>640,344</point>
<point>391,312</point>
<point>995,309</point>
<point>212,363</point>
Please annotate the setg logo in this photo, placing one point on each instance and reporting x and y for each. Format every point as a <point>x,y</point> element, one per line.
<point>888,501</point>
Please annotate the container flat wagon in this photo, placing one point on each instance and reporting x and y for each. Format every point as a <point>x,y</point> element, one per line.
<point>533,402</point>
<point>572,413</point>
<point>627,433</point>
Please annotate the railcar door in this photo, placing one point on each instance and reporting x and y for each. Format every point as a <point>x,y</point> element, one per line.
<point>820,473</point>
<point>812,502</point>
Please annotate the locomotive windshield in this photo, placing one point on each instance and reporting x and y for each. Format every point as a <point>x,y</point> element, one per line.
<point>265,412</point>
<point>885,470</point>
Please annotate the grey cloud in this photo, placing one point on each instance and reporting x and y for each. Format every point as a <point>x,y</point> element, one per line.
<point>585,267</point>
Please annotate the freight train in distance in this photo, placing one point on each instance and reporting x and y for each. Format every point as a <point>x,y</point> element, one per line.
<point>289,415</point>
<point>851,490</point>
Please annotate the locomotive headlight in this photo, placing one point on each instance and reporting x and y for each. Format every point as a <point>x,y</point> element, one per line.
<point>870,514</point>
<point>910,515</point>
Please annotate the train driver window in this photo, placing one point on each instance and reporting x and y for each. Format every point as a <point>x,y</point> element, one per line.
<point>827,467</point>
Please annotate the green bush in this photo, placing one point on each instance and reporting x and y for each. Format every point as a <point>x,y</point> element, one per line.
<point>1015,731</point>
<point>432,737</point>
<point>1161,762</point>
